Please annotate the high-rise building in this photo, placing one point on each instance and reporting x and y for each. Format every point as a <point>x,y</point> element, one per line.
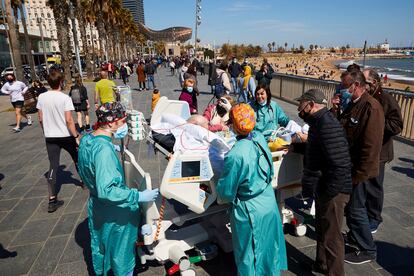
<point>38,10</point>
<point>136,7</point>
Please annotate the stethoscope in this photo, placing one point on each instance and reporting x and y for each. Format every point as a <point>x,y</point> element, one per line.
<point>271,108</point>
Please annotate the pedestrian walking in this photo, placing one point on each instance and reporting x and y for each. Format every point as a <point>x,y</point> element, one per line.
<point>124,73</point>
<point>16,90</point>
<point>104,90</point>
<point>141,75</point>
<point>149,72</point>
<point>247,86</point>
<point>55,118</point>
<point>79,96</point>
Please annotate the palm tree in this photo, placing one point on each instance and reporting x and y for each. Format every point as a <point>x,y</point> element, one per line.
<point>99,8</point>
<point>269,45</point>
<point>273,45</point>
<point>14,40</point>
<point>311,48</point>
<point>226,50</point>
<point>80,14</point>
<point>18,6</point>
<point>286,44</point>
<point>60,10</point>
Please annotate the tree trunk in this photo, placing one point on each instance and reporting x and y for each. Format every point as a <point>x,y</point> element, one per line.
<point>61,14</point>
<point>85,48</point>
<point>102,37</point>
<point>93,49</point>
<point>14,41</point>
<point>28,43</point>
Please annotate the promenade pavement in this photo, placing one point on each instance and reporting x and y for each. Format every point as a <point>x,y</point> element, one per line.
<point>34,242</point>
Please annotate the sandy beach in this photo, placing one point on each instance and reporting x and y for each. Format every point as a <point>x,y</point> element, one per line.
<point>319,65</point>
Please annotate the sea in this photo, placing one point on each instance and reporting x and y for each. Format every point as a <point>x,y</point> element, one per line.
<point>401,69</point>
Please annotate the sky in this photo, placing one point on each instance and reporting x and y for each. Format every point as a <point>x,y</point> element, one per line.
<point>300,22</point>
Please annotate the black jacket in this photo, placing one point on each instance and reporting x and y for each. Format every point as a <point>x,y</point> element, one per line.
<point>235,69</point>
<point>264,78</point>
<point>327,169</point>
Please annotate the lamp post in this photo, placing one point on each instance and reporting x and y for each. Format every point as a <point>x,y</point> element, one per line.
<point>75,38</point>
<point>197,23</point>
<point>39,21</point>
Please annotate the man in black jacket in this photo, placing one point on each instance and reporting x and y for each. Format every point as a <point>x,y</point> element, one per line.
<point>393,126</point>
<point>327,175</point>
<point>235,70</point>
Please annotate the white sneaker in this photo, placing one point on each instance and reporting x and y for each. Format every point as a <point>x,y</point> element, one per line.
<point>16,129</point>
<point>29,120</point>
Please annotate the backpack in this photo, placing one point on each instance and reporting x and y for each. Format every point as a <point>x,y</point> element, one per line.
<point>75,94</point>
<point>219,89</point>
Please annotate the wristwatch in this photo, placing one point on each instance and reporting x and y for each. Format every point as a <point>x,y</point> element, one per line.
<point>77,136</point>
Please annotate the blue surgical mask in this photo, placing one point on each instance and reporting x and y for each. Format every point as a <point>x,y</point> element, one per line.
<point>345,98</point>
<point>262,103</point>
<point>121,132</point>
<point>190,89</point>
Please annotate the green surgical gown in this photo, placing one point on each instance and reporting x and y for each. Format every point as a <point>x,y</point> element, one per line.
<point>112,207</point>
<point>257,234</point>
<point>269,117</point>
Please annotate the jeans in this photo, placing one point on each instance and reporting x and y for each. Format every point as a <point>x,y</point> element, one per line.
<point>357,219</point>
<point>235,85</point>
<point>150,79</point>
<point>375,196</point>
<point>244,94</point>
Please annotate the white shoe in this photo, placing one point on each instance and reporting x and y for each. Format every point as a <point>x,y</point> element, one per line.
<point>16,129</point>
<point>29,120</point>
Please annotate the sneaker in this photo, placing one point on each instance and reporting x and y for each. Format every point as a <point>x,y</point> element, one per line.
<point>29,120</point>
<point>359,257</point>
<point>373,226</point>
<point>54,204</point>
<point>17,129</point>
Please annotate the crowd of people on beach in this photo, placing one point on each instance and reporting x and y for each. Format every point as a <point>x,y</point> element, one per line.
<point>345,150</point>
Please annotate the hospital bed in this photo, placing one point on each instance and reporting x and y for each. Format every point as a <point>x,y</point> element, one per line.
<point>189,181</point>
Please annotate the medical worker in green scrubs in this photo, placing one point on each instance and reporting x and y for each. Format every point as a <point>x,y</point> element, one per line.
<point>113,208</point>
<point>257,234</point>
<point>269,115</point>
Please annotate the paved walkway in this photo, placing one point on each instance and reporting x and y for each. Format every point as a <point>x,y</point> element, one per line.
<point>43,244</point>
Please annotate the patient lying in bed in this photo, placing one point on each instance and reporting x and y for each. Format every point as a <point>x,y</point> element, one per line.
<point>176,134</point>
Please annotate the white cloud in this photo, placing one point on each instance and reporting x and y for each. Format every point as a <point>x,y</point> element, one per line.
<point>240,7</point>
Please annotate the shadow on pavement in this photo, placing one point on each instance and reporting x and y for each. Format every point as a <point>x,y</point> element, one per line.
<point>407,160</point>
<point>4,253</point>
<point>64,177</point>
<point>407,171</point>
<point>395,259</point>
<point>83,239</point>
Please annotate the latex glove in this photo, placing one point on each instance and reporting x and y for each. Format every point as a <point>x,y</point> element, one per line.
<point>148,195</point>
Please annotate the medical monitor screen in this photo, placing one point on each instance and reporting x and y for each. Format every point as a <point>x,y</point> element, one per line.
<point>190,168</point>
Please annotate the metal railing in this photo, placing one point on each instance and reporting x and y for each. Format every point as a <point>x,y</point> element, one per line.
<point>288,87</point>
